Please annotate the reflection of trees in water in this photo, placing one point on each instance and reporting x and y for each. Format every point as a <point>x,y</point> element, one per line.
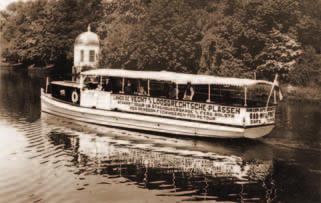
<point>228,178</point>
<point>19,95</point>
<point>299,123</point>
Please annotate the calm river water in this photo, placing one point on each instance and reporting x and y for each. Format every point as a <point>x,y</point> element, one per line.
<point>49,159</point>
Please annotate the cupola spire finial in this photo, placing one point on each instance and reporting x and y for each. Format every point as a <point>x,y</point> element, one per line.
<point>89,28</point>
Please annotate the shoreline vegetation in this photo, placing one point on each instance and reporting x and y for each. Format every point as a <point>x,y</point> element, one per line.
<point>236,38</point>
<point>310,93</point>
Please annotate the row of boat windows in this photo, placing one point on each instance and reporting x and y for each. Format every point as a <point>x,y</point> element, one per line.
<point>165,89</point>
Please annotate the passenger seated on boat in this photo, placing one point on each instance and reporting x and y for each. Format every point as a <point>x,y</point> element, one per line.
<point>189,92</point>
<point>107,86</point>
<point>140,89</point>
<point>99,87</point>
<point>129,88</point>
<point>90,83</point>
<point>172,91</point>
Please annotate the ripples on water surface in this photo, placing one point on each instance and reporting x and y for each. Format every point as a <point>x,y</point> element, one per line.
<point>44,158</point>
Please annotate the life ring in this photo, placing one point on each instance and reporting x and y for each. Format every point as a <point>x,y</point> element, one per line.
<point>74,97</point>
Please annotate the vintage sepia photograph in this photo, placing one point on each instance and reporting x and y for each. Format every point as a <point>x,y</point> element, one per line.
<point>150,101</point>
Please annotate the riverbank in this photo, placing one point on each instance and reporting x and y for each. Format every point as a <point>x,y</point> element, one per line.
<point>301,93</point>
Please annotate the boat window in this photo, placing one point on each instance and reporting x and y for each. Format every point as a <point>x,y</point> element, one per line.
<point>169,90</point>
<point>201,93</point>
<point>91,82</point>
<point>105,84</point>
<point>129,87</point>
<point>116,84</point>
<point>227,95</point>
<point>159,88</point>
<point>258,95</point>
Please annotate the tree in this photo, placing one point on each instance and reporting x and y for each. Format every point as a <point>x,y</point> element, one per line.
<point>308,69</point>
<point>226,37</point>
<point>242,37</point>
<point>309,25</point>
<point>279,55</point>
<point>42,32</point>
<point>119,31</point>
<point>166,38</point>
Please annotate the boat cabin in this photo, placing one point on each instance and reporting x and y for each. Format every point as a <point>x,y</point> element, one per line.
<point>182,96</point>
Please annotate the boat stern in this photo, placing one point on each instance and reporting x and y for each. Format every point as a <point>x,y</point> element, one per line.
<point>258,132</point>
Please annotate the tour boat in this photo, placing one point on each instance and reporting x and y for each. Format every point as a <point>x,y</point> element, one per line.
<point>166,102</point>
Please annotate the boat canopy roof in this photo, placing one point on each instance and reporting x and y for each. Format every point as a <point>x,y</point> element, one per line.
<point>179,78</point>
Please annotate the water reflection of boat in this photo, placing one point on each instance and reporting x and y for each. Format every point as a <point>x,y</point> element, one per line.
<point>174,166</point>
<point>100,148</point>
<point>154,151</point>
<point>177,170</point>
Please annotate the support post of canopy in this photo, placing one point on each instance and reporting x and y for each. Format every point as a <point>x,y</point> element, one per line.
<point>245,96</point>
<point>209,93</point>
<point>148,87</point>
<point>81,81</point>
<point>47,83</point>
<point>123,85</point>
<point>274,97</point>
<point>176,90</point>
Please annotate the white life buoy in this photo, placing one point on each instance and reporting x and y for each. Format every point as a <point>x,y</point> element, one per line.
<point>74,97</point>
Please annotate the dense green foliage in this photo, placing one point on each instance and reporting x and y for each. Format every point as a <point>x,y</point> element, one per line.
<point>42,32</point>
<point>221,37</point>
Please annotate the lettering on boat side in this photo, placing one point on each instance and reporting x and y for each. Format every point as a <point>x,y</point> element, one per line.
<point>178,108</point>
<point>261,115</point>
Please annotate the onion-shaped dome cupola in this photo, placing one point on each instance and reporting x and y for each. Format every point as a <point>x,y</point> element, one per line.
<point>87,38</point>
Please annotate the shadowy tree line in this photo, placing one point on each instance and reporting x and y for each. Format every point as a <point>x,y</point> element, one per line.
<point>42,32</point>
<point>222,37</point>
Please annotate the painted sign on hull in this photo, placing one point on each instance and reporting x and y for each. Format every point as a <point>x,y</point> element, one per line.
<point>189,110</point>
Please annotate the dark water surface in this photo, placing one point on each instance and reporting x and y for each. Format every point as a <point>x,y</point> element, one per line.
<point>49,159</point>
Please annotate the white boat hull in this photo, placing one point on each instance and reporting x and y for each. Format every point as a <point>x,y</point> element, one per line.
<point>148,123</point>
